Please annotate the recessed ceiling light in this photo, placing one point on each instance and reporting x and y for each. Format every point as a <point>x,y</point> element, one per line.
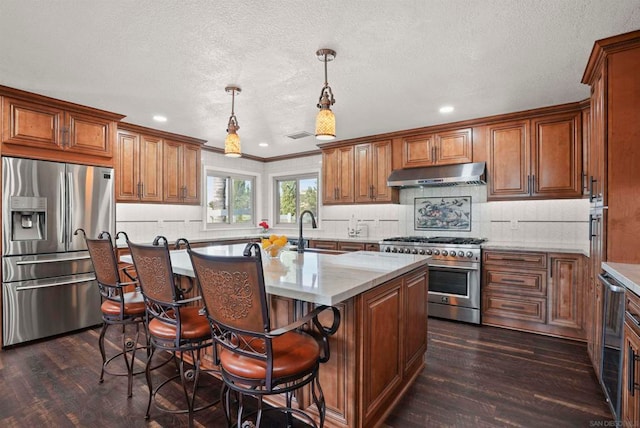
<point>263,144</point>
<point>446,109</point>
<point>159,118</point>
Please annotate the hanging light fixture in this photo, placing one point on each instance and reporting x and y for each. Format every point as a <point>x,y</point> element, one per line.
<point>232,142</point>
<point>326,120</point>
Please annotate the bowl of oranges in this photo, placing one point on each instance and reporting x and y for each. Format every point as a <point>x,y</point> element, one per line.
<point>273,245</point>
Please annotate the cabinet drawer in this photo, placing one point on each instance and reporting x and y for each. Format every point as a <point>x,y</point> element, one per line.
<point>516,281</point>
<point>513,258</point>
<point>530,309</point>
<point>632,303</point>
<point>323,245</point>
<point>350,246</point>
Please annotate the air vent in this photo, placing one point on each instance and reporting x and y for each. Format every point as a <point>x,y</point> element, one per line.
<point>298,135</point>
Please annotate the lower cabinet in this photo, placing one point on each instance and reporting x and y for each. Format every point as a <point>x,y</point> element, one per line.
<point>344,245</point>
<point>630,368</point>
<point>534,291</point>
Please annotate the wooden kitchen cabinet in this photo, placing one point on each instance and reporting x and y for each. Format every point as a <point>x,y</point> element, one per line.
<point>181,173</point>
<point>44,128</point>
<point>153,166</point>
<point>372,167</point>
<point>534,291</point>
<point>630,409</point>
<point>337,175</point>
<point>138,168</point>
<point>323,244</point>
<point>443,148</point>
<point>539,158</point>
<point>343,245</point>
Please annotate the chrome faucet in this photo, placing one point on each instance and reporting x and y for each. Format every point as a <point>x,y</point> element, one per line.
<point>313,224</point>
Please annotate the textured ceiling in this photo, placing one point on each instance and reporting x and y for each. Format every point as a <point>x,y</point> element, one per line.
<point>397,61</point>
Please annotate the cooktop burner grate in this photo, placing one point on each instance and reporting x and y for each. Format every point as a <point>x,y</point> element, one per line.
<point>437,240</point>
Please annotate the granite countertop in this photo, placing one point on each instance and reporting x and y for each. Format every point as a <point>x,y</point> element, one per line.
<point>314,277</point>
<point>627,274</point>
<point>549,247</point>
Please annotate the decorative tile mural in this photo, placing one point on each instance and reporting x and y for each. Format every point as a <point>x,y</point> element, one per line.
<point>443,213</point>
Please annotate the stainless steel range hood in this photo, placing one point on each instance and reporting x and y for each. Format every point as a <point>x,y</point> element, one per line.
<point>464,174</point>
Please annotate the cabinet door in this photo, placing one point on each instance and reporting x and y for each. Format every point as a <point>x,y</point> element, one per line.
<point>415,325</point>
<point>89,135</point>
<point>418,151</point>
<point>151,168</point>
<point>324,245</point>
<point>381,157</point>
<point>566,296</point>
<point>363,173</point>
<point>191,174</point>
<point>596,333</point>
<point>29,124</point>
<point>337,175</point>
<point>330,176</point>
<point>630,377</point>
<point>509,160</point>
<point>128,167</point>
<point>381,342</point>
<point>597,159</point>
<point>586,150</point>
<point>556,156</point>
<point>454,147</point>
<point>172,164</point>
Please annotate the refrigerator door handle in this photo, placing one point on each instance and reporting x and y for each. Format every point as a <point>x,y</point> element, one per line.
<point>70,208</point>
<point>54,284</point>
<point>37,262</point>
<point>62,233</point>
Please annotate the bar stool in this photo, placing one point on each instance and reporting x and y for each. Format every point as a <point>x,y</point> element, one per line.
<point>255,360</point>
<point>119,307</point>
<point>174,323</point>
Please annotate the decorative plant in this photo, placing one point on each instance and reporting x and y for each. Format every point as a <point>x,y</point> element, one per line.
<point>265,226</point>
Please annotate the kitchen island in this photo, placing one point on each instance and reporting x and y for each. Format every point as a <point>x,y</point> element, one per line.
<point>379,348</point>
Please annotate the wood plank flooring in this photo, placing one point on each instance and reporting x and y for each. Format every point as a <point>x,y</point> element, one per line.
<point>475,377</point>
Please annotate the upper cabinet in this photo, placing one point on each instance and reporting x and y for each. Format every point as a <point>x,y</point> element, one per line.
<point>337,175</point>
<point>372,168</point>
<point>538,158</point>
<point>44,128</point>
<point>357,174</point>
<point>181,173</point>
<point>153,166</point>
<point>443,148</point>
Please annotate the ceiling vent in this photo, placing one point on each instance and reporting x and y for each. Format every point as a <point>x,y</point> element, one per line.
<point>298,135</point>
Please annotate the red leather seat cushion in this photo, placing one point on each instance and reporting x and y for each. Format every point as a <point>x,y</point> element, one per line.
<point>293,353</point>
<point>133,305</point>
<point>194,326</point>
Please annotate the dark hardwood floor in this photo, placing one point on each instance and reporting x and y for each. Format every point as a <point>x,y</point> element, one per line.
<point>475,377</point>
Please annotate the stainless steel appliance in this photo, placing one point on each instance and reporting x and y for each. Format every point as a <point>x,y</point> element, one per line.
<point>612,341</point>
<point>454,273</point>
<point>48,285</point>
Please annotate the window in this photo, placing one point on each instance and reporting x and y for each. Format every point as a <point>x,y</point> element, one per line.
<point>294,194</point>
<point>230,199</point>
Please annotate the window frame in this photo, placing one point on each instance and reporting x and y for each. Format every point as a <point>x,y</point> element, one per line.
<point>230,174</point>
<point>275,199</point>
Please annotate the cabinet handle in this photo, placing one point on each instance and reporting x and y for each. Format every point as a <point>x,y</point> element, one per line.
<point>64,140</point>
<point>591,228</point>
<point>184,192</point>
<point>139,190</point>
<point>371,192</point>
<point>634,318</point>
<point>335,194</point>
<point>592,186</point>
<point>584,181</point>
<point>515,281</point>
<point>631,381</point>
<point>533,183</point>
<point>513,307</point>
<point>433,154</point>
<point>513,259</point>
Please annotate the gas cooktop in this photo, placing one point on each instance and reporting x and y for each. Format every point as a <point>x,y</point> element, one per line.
<point>448,240</point>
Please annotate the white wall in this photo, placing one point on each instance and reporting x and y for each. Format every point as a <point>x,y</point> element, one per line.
<point>562,222</point>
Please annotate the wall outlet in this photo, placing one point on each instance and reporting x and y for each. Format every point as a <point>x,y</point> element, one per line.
<point>514,224</point>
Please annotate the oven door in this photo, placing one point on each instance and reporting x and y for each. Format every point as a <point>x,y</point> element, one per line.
<point>454,291</point>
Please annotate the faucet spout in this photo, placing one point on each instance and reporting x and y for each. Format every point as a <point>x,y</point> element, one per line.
<point>313,225</point>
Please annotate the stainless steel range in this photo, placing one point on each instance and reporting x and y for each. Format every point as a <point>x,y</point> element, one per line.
<point>454,273</point>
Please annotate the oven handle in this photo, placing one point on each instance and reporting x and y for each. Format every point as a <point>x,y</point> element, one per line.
<point>467,268</point>
<point>610,283</point>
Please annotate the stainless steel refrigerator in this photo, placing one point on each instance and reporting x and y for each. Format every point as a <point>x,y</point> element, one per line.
<point>48,285</point>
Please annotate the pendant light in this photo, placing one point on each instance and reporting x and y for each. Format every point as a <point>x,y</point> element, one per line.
<point>232,142</point>
<point>326,120</point>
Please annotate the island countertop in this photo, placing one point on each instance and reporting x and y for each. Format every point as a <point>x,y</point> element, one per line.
<point>314,277</point>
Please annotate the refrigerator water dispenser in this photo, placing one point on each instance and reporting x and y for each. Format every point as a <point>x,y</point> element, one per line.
<point>28,218</point>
